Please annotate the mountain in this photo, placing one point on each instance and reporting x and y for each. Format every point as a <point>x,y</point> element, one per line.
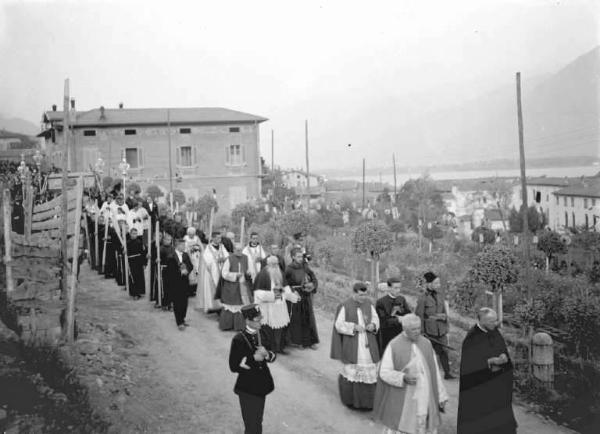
<point>19,126</point>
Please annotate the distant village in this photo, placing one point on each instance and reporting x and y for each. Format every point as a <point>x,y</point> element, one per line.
<point>216,151</point>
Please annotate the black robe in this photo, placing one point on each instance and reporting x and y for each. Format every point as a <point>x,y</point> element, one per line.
<point>257,380</point>
<point>166,252</point>
<point>485,400</point>
<point>389,327</point>
<point>303,326</point>
<point>112,243</point>
<point>136,251</point>
<point>100,247</point>
<point>153,273</point>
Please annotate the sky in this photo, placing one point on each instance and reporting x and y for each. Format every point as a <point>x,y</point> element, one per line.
<point>328,62</point>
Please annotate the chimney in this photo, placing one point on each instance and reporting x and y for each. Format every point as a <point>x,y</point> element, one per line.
<point>72,103</point>
<point>53,107</point>
<point>120,105</point>
<point>102,116</point>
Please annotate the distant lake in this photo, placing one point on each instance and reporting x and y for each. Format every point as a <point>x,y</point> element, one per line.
<point>471,174</point>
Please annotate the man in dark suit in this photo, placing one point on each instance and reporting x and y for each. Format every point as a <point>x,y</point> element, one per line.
<point>248,357</point>
<point>390,309</point>
<point>179,267</point>
<point>151,208</point>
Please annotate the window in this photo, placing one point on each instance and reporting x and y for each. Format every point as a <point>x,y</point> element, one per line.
<point>130,132</point>
<point>235,155</point>
<point>566,219</point>
<point>557,200</point>
<point>594,202</point>
<point>573,202</point>
<point>547,198</point>
<point>585,202</point>
<point>234,129</point>
<point>186,156</point>
<point>565,200</point>
<point>185,130</point>
<point>89,133</point>
<point>134,157</point>
<point>538,196</point>
<point>573,219</point>
<point>587,222</point>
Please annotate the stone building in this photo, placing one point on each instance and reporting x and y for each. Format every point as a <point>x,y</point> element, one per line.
<point>197,150</point>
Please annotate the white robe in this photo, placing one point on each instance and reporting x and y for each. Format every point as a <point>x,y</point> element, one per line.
<point>414,413</point>
<point>255,256</point>
<point>210,272</point>
<point>365,370</point>
<point>274,310</point>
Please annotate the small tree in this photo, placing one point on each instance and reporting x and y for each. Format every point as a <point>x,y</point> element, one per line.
<point>535,220</point>
<point>246,210</point>
<point>489,236</point>
<point>178,197</point>
<point>133,188</point>
<point>432,231</point>
<point>496,267</point>
<point>551,244</point>
<point>372,238</point>
<point>397,226</point>
<point>203,206</point>
<point>294,222</point>
<point>154,192</point>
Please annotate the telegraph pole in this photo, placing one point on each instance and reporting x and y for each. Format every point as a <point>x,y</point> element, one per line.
<point>272,152</point>
<point>363,186</point>
<point>170,152</point>
<point>307,167</point>
<point>523,177</point>
<point>64,204</point>
<point>395,188</point>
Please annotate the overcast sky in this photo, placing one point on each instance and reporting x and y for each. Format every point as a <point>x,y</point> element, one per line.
<point>288,61</point>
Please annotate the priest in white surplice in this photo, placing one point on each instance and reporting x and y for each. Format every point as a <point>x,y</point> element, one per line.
<point>255,254</point>
<point>410,393</point>
<point>210,273</point>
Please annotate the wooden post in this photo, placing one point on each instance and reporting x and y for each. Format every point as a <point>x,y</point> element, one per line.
<point>149,260</point>
<point>64,207</point>
<point>500,309</point>
<point>107,223</point>
<point>96,248</point>
<point>125,256</point>
<point>242,227</point>
<point>10,285</point>
<point>170,157</point>
<point>87,234</point>
<point>28,204</point>
<point>159,288</point>
<point>70,317</point>
<point>307,167</point>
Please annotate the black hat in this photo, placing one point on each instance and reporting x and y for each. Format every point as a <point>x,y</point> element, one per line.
<point>360,287</point>
<point>429,277</point>
<point>251,311</point>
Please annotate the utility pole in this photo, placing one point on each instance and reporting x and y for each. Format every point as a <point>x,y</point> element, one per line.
<point>363,186</point>
<point>523,177</point>
<point>65,203</point>
<point>307,167</point>
<point>395,185</point>
<point>272,152</point>
<point>170,152</point>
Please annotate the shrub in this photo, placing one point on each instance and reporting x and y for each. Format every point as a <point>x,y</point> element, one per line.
<point>247,210</point>
<point>133,188</point>
<point>154,191</point>
<point>293,223</point>
<point>372,238</point>
<point>495,267</point>
<point>178,197</point>
<point>489,236</point>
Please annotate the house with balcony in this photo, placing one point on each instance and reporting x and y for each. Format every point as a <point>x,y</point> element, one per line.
<point>199,150</point>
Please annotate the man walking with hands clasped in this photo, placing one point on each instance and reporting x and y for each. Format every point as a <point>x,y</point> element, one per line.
<point>248,357</point>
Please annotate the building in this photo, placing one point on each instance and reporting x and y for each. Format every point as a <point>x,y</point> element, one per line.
<point>15,145</point>
<point>540,194</point>
<point>197,150</point>
<point>298,180</point>
<point>578,206</point>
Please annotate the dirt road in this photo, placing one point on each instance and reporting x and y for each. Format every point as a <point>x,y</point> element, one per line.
<point>145,375</point>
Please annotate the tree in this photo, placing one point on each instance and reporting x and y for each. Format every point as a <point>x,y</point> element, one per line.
<point>489,236</point>
<point>495,266</point>
<point>421,198</point>
<point>396,226</point>
<point>551,244</point>
<point>432,232</point>
<point>372,238</point>
<point>154,192</point>
<point>203,206</point>
<point>294,222</point>
<point>384,197</point>
<point>133,188</point>
<point>246,210</point>
<point>275,189</point>
<point>535,220</point>
<point>178,197</point>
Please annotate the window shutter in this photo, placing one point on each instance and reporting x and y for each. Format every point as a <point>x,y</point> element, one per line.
<point>140,158</point>
<point>243,154</point>
<point>178,156</point>
<point>227,156</point>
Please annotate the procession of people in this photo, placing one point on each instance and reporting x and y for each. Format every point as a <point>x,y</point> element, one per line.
<point>390,357</point>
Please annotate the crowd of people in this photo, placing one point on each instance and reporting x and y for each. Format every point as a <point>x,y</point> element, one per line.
<point>388,353</point>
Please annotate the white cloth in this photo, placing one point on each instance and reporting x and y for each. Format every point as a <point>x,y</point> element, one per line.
<point>255,256</point>
<point>134,221</point>
<point>232,276</point>
<point>210,271</point>
<point>364,371</point>
<point>416,403</point>
<point>274,310</point>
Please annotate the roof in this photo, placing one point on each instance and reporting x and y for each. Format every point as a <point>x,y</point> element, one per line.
<point>155,116</point>
<point>552,182</point>
<point>493,214</point>
<point>476,184</point>
<point>586,190</point>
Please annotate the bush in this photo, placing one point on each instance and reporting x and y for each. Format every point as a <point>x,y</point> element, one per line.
<point>178,197</point>
<point>246,210</point>
<point>489,236</point>
<point>133,188</point>
<point>154,191</point>
<point>293,223</point>
<point>372,238</point>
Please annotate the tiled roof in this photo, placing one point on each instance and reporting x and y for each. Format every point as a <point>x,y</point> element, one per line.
<point>587,190</point>
<point>154,116</point>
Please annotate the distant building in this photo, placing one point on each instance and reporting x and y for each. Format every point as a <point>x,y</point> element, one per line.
<point>13,145</point>
<point>578,206</point>
<point>200,150</point>
<point>298,180</point>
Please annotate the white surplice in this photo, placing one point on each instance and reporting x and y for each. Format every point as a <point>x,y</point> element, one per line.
<point>210,272</point>
<point>274,309</point>
<point>255,256</point>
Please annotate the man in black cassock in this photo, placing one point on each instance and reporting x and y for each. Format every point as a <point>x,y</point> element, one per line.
<point>112,244</point>
<point>250,352</point>
<point>154,269</point>
<point>100,243</point>
<point>302,330</point>
<point>136,252</point>
<point>486,380</point>
<point>166,251</point>
<point>390,310</point>
<point>179,266</point>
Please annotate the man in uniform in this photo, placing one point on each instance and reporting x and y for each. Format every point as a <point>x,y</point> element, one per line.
<point>431,308</point>
<point>248,357</point>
